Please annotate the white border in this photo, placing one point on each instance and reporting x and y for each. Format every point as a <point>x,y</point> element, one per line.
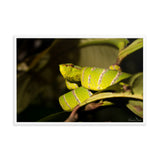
<point>15,123</point>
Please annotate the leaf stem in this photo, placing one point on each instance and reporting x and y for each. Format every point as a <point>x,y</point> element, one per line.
<point>106,95</point>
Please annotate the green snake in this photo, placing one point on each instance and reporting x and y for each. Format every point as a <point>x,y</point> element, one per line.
<point>82,80</point>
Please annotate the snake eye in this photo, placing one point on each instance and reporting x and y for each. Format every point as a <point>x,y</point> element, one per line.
<point>69,65</point>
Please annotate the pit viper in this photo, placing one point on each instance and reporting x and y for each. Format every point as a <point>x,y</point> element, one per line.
<point>83,80</point>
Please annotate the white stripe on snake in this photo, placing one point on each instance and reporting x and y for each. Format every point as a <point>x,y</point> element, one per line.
<point>93,68</point>
<point>76,97</point>
<point>83,74</point>
<point>90,93</point>
<point>101,76</point>
<point>116,77</point>
<point>89,81</point>
<point>66,101</point>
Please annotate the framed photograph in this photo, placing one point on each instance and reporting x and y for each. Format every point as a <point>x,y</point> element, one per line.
<point>79,80</point>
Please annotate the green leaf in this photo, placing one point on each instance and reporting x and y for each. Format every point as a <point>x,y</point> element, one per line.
<point>27,89</point>
<point>97,52</point>
<point>135,101</point>
<point>136,82</point>
<point>136,107</point>
<point>137,44</point>
<point>108,95</point>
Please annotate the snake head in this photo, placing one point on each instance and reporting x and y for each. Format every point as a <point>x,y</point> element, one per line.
<point>70,72</point>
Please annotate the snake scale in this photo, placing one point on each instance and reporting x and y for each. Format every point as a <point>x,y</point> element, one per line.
<point>82,80</point>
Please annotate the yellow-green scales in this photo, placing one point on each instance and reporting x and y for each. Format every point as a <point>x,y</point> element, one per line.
<point>90,78</point>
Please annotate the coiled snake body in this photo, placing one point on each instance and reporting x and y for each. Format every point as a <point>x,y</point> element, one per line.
<point>89,78</point>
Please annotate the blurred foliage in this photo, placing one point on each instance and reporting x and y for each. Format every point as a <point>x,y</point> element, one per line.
<point>39,83</point>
